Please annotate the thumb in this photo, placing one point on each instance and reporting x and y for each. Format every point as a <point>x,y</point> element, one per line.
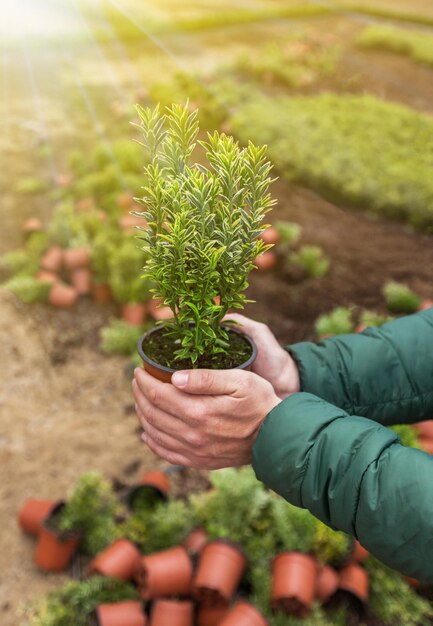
<point>206,382</point>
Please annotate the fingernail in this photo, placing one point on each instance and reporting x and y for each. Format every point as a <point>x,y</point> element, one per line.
<point>180,379</point>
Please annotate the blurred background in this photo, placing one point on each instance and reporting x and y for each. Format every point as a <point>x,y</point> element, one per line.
<point>341,91</point>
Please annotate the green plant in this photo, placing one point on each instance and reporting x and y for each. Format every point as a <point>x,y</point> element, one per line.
<point>29,289</point>
<point>338,322</point>
<point>203,226</point>
<point>91,510</point>
<point>330,546</point>
<point>126,264</point>
<point>418,46</point>
<point>29,186</point>
<point>312,260</point>
<point>120,337</point>
<point>289,233</point>
<point>392,600</point>
<point>75,602</point>
<point>103,247</point>
<point>371,318</point>
<point>407,435</point>
<point>400,298</point>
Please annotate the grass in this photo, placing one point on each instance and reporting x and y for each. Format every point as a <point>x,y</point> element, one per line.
<point>355,150</point>
<point>392,12</point>
<point>417,46</point>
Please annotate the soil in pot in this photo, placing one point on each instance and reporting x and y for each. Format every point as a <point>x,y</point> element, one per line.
<point>121,559</point>
<point>294,578</point>
<point>164,574</point>
<point>244,614</point>
<point>128,613</point>
<point>172,613</point>
<point>55,549</point>
<point>219,572</point>
<point>156,349</point>
<point>33,513</point>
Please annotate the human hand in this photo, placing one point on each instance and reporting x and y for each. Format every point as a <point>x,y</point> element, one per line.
<point>273,362</point>
<point>206,419</point>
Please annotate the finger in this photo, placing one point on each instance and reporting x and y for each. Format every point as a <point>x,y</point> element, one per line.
<point>209,382</point>
<point>172,457</point>
<point>166,397</point>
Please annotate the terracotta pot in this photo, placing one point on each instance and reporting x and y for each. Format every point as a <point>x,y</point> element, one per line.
<point>211,615</point>
<point>155,485</point>
<point>270,235</point>
<point>165,573</point>
<point>49,277</point>
<point>244,614</point>
<point>360,328</point>
<point>75,258</point>
<point>426,444</point>
<point>52,260</point>
<point>325,336</point>
<point>121,559</point>
<point>33,513</point>
<point>413,582</point>
<point>326,583</point>
<point>54,550</point>
<point>128,613</point>
<point>424,429</point>
<point>101,293</point>
<point>85,204</point>
<point>134,313</point>
<point>294,578</point>
<point>196,541</point>
<point>32,225</point>
<point>359,554</point>
<point>62,296</point>
<point>266,261</point>
<point>219,572</point>
<point>172,613</point>
<point>64,180</point>
<point>425,304</point>
<point>354,580</point>
<point>165,373</point>
<point>81,280</point>
<point>129,223</point>
<point>158,312</point>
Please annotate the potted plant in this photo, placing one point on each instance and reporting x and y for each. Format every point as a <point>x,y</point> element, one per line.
<point>219,572</point>
<point>202,236</point>
<point>172,612</point>
<point>126,286</point>
<point>89,514</point>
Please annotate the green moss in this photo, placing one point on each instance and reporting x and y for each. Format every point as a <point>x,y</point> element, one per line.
<point>330,546</point>
<point>373,319</point>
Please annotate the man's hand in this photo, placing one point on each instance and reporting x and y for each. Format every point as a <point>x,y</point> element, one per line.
<point>273,362</point>
<point>206,419</point>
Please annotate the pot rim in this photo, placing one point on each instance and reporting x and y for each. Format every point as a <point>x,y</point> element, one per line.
<point>63,535</point>
<point>170,370</point>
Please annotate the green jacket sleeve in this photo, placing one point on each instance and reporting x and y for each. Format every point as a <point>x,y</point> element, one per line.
<point>385,374</point>
<point>354,475</point>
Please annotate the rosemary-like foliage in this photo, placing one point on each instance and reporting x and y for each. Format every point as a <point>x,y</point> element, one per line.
<point>203,225</point>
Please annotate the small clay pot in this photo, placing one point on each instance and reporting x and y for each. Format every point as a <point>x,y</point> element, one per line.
<point>86,204</point>
<point>424,429</point>
<point>354,580</point>
<point>413,582</point>
<point>165,573</point>
<point>425,304</point>
<point>165,373</point>
<point>196,541</point>
<point>360,328</point>
<point>128,613</point>
<point>155,483</point>
<point>54,550</point>
<point>49,277</point>
<point>101,293</point>
<point>359,554</point>
<point>244,614</point>
<point>294,578</point>
<point>270,235</point>
<point>266,261</point>
<point>121,559</point>
<point>32,225</point>
<point>211,615</point>
<point>129,223</point>
<point>326,583</point>
<point>33,513</point>
<point>62,296</point>
<point>426,444</point>
<point>219,572</point>
<point>76,258</point>
<point>134,313</point>
<point>172,613</point>
<point>158,312</point>
<point>52,260</point>
<point>81,280</point>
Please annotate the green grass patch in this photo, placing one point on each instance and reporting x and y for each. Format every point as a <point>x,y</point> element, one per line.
<point>417,46</point>
<point>391,13</point>
<point>355,150</point>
